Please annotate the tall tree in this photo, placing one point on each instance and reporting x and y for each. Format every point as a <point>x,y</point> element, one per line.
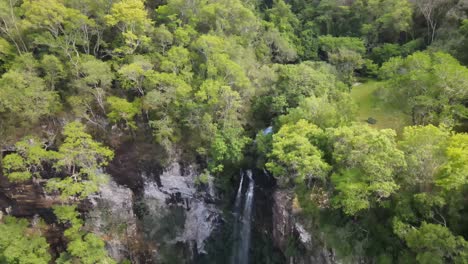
<point>62,29</point>
<point>430,86</point>
<point>433,11</point>
<point>131,18</point>
<point>295,156</point>
<point>82,159</point>
<point>367,161</point>
<point>11,26</point>
<point>24,96</point>
<point>434,243</point>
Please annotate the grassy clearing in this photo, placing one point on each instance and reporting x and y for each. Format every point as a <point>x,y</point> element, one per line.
<point>369,105</point>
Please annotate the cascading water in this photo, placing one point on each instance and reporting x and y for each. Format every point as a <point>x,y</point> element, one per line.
<point>238,197</point>
<point>236,213</point>
<point>242,239</point>
<point>246,222</point>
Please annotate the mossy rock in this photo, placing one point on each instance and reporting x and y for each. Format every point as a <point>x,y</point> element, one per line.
<point>371,121</point>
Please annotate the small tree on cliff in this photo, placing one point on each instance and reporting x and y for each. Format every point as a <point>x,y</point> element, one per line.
<point>80,158</point>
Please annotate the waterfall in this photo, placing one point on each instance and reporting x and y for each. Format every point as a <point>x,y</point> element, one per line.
<point>236,213</point>
<point>238,197</point>
<point>242,239</point>
<point>246,222</point>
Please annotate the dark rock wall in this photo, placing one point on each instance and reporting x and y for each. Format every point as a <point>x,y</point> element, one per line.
<point>300,246</point>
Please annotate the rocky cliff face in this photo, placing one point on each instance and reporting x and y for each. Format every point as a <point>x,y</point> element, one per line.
<point>289,234</point>
<point>167,220</point>
<point>26,199</point>
<point>166,215</point>
<point>179,209</point>
<point>112,218</point>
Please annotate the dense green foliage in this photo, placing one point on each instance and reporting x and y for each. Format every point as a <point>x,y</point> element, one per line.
<point>79,157</point>
<point>83,247</point>
<point>203,76</point>
<point>21,244</point>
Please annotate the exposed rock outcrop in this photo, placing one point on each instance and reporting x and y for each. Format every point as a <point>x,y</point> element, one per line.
<point>113,219</point>
<point>177,211</point>
<point>26,199</point>
<point>171,212</point>
<point>289,232</point>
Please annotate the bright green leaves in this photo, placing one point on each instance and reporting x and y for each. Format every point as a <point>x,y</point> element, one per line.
<point>424,149</point>
<point>166,102</point>
<point>430,86</point>
<point>67,214</point>
<point>353,192</point>
<point>53,69</point>
<point>454,173</point>
<point>134,74</point>
<point>79,157</point>
<point>433,244</point>
<point>27,161</point>
<point>131,13</point>
<point>309,90</point>
<point>79,149</point>
<point>25,97</point>
<point>282,16</point>
<point>325,112</point>
<point>226,148</point>
<point>432,184</point>
<point>223,17</point>
<point>7,54</point>
<point>14,167</point>
<point>131,18</point>
<point>90,249</point>
<point>284,44</point>
<point>164,132</point>
<point>332,44</point>
<point>304,80</point>
<point>95,79</point>
<point>228,17</point>
<point>172,90</point>
<point>178,61</point>
<point>219,64</point>
<point>95,73</point>
<point>83,247</point>
<point>163,37</point>
<point>162,88</point>
<point>51,15</point>
<point>221,102</point>
<point>368,161</point>
<point>435,156</point>
<point>223,139</point>
<point>20,244</point>
<point>11,28</point>
<point>82,159</point>
<point>63,29</point>
<point>295,156</point>
<point>122,110</point>
<point>345,54</point>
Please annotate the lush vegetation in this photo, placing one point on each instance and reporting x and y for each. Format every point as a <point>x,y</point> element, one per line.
<point>202,77</point>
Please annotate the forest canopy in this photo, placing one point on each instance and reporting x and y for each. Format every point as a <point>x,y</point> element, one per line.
<point>203,77</point>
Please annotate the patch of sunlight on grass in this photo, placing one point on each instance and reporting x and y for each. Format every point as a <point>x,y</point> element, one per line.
<point>369,105</point>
